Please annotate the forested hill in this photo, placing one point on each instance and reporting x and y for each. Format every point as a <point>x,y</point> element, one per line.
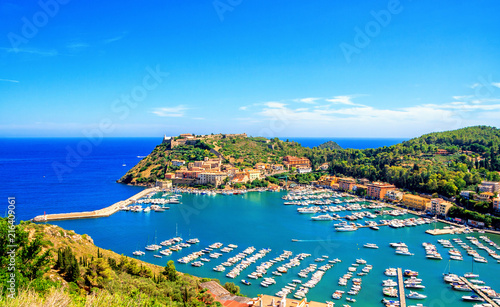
<point>420,164</point>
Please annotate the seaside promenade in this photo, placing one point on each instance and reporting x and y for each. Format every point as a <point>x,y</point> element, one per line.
<point>96,213</point>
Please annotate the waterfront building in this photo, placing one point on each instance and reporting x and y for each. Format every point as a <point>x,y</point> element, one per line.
<point>394,196</point>
<point>240,177</point>
<point>440,207</point>
<point>346,184</point>
<point>215,178</point>
<point>489,186</point>
<point>291,161</point>
<point>416,202</point>
<point>163,184</point>
<point>253,174</point>
<point>327,181</point>
<point>378,190</point>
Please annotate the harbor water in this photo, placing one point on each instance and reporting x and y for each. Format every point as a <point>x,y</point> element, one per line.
<point>261,220</point>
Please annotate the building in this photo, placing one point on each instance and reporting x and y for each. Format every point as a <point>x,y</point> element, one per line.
<point>186,136</point>
<point>240,177</point>
<point>164,184</point>
<point>466,194</point>
<point>323,167</point>
<point>442,152</point>
<point>304,170</point>
<point>416,202</point>
<point>496,204</point>
<point>394,196</point>
<point>277,167</point>
<point>485,196</point>
<point>253,174</point>
<point>213,178</point>
<point>178,162</point>
<point>346,184</point>
<point>169,175</point>
<point>327,181</point>
<point>291,161</point>
<point>378,190</point>
<point>489,186</point>
<point>440,207</point>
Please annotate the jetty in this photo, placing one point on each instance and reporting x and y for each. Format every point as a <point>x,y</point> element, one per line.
<point>479,292</point>
<point>401,286</point>
<point>96,213</point>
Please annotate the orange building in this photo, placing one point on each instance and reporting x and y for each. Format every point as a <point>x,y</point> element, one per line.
<point>346,184</point>
<point>291,161</point>
<point>378,190</point>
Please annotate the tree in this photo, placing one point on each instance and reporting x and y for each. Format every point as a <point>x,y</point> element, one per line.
<point>232,288</point>
<point>170,272</point>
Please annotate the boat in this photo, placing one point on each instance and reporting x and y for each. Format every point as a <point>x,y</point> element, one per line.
<point>246,282</point>
<point>414,286</point>
<point>370,245</point>
<point>323,217</point>
<point>472,298</point>
<point>346,228</point>
<point>374,227</point>
<point>416,296</point>
<point>138,253</point>
<point>157,256</point>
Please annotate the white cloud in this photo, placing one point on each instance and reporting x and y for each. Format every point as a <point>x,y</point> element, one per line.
<point>345,99</point>
<point>243,108</point>
<point>177,111</point>
<point>310,100</point>
<point>496,84</point>
<point>9,80</point>
<point>116,38</point>
<point>275,104</point>
<point>34,51</point>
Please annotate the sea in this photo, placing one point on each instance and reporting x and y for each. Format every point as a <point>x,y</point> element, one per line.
<point>74,174</point>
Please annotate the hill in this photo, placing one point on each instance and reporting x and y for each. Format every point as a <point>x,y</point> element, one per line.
<point>441,162</point>
<point>57,267</point>
<point>329,145</point>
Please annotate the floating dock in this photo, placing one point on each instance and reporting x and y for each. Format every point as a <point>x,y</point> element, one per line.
<point>97,213</point>
<point>479,292</point>
<point>401,286</point>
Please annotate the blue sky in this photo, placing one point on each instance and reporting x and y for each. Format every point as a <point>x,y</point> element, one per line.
<point>271,68</point>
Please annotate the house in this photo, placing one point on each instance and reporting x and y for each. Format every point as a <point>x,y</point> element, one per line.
<point>253,174</point>
<point>323,167</point>
<point>221,295</point>
<point>291,161</point>
<point>442,152</point>
<point>416,202</point>
<point>496,204</point>
<point>178,162</point>
<point>440,207</point>
<point>466,194</point>
<point>394,196</point>
<point>346,184</point>
<point>489,186</point>
<point>277,167</point>
<point>261,166</point>
<point>304,170</point>
<point>378,190</point>
<point>327,181</point>
<point>240,177</point>
<point>169,175</point>
<point>214,178</point>
<point>485,196</point>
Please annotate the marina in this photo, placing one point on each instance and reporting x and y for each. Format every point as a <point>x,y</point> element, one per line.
<point>283,233</point>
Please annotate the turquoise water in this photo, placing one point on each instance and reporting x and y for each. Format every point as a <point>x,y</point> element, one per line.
<point>261,220</point>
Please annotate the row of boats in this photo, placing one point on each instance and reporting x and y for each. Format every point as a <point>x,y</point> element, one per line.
<point>411,281</point>
<point>458,284</point>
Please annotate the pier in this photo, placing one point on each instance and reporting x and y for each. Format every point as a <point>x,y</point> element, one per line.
<point>401,286</point>
<point>479,292</point>
<point>96,213</point>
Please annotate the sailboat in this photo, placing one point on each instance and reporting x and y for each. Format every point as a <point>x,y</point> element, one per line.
<point>471,273</point>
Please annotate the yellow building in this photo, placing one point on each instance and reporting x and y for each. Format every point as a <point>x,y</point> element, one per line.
<point>440,207</point>
<point>416,202</point>
<point>327,181</point>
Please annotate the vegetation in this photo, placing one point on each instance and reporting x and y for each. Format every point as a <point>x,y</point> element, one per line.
<point>329,145</point>
<point>52,276</point>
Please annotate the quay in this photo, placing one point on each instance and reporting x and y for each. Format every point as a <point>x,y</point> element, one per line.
<point>401,286</point>
<point>96,213</point>
<point>479,292</point>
